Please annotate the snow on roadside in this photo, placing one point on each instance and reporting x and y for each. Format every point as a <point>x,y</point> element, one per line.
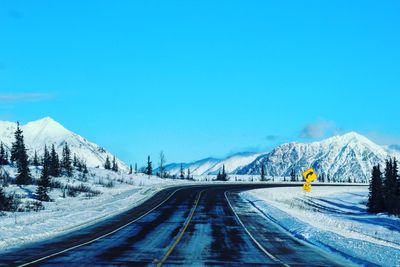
<point>71,213</point>
<point>333,218</point>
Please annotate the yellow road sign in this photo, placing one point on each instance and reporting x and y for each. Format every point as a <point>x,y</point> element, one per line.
<point>310,175</point>
<point>307,187</point>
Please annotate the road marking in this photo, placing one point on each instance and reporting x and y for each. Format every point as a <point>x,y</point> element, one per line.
<point>188,220</point>
<point>101,237</point>
<point>251,236</point>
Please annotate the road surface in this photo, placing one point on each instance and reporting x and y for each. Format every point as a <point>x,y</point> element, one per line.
<point>207,225</point>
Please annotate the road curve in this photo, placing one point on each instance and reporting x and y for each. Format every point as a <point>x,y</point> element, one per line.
<point>189,225</point>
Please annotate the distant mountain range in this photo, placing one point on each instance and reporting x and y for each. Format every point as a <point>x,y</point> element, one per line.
<point>47,131</point>
<point>347,157</point>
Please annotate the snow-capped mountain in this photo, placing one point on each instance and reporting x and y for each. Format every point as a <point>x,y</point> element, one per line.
<point>343,158</point>
<point>347,157</point>
<point>47,131</point>
<point>212,166</point>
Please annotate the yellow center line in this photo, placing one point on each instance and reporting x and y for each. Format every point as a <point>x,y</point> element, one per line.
<point>172,247</point>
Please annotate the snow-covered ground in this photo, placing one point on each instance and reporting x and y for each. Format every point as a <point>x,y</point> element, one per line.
<point>118,192</point>
<point>333,218</point>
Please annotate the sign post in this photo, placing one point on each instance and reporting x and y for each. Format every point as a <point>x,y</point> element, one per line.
<point>310,176</point>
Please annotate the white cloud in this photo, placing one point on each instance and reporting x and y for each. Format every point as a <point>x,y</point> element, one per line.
<point>22,97</point>
<point>318,129</point>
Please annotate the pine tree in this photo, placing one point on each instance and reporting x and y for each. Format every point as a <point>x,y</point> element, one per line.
<point>396,191</point>
<point>54,163</point>
<point>79,165</point>
<point>292,176</point>
<point>390,187</point>
<point>388,183</point>
<point>35,161</point>
<point>182,172</point>
<point>6,202</point>
<point>323,177</point>
<point>189,176</point>
<point>136,169</point>
<point>222,176</point>
<point>114,165</point>
<point>3,155</point>
<point>20,157</point>
<point>130,169</point>
<point>262,172</point>
<point>44,181</point>
<point>149,168</point>
<point>85,169</point>
<point>66,162</point>
<point>107,164</point>
<point>75,161</point>
<point>375,199</point>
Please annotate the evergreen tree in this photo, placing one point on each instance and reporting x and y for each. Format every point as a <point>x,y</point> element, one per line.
<point>222,176</point>
<point>3,155</point>
<point>292,176</point>
<point>262,172</point>
<point>75,161</point>
<point>79,165</point>
<point>54,169</point>
<point>35,161</point>
<point>85,169</point>
<point>107,164</point>
<point>149,168</point>
<point>6,202</point>
<point>397,178</point>
<point>136,169</point>
<point>323,177</point>
<point>66,162</point>
<point>130,169</point>
<point>3,199</point>
<point>182,173</point>
<point>189,176</point>
<point>44,181</point>
<point>375,199</point>
<point>114,165</point>
<point>389,187</point>
<point>20,157</point>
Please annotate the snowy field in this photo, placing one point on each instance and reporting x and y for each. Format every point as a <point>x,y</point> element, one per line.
<point>333,218</point>
<point>118,192</point>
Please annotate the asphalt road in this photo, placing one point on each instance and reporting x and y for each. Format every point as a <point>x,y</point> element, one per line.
<point>188,226</point>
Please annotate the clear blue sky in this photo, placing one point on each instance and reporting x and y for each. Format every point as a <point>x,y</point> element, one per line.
<point>200,78</point>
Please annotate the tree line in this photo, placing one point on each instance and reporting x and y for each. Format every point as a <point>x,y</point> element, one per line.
<point>384,189</point>
<point>162,172</point>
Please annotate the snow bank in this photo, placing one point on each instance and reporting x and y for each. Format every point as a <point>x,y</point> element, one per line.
<point>333,218</point>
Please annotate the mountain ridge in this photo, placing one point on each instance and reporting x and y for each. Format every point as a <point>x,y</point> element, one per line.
<point>341,158</point>
<point>47,131</point>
